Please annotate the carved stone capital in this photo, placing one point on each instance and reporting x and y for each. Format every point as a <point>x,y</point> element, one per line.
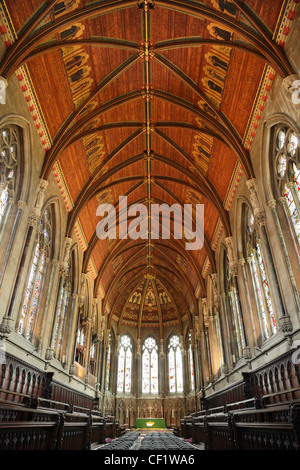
<point>6,327</point>
<point>260,217</point>
<point>242,261</point>
<point>286,325</point>
<point>247,353</point>
<point>49,354</point>
<point>272,203</point>
<point>224,369</point>
<point>72,370</point>
<point>22,205</point>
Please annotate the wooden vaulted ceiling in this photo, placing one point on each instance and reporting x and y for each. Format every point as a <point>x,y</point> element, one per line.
<point>149,99</point>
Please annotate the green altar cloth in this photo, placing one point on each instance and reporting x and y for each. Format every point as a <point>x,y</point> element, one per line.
<point>150,423</point>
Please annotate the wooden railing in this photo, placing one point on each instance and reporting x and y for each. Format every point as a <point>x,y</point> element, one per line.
<point>40,424</point>
<point>250,425</point>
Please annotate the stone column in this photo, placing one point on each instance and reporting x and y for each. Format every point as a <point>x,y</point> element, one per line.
<point>21,207</point>
<point>260,219</point>
<point>162,358</point>
<point>51,291</point>
<point>234,271</point>
<point>272,205</point>
<point>242,262</point>
<point>7,325</point>
<point>218,325</point>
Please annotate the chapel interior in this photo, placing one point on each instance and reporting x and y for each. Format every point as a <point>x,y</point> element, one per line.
<point>176,103</point>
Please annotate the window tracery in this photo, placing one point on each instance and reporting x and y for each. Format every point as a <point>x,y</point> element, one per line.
<point>9,164</point>
<point>175,365</point>
<point>287,174</point>
<point>150,366</point>
<point>42,253</point>
<point>192,376</point>
<point>124,365</point>
<point>259,278</point>
<point>107,378</point>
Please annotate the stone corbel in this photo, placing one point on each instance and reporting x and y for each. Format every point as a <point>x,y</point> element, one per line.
<point>6,327</point>
<point>49,355</point>
<point>286,327</point>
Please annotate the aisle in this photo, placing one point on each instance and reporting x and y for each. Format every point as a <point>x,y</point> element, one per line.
<point>154,440</point>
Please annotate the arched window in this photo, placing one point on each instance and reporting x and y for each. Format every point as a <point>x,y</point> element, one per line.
<point>287,173</point>
<point>259,278</point>
<point>124,365</point>
<point>150,366</point>
<point>108,363</point>
<point>191,364</point>
<point>42,253</point>
<point>63,310</point>
<point>232,295</point>
<point>175,365</point>
<point>9,165</point>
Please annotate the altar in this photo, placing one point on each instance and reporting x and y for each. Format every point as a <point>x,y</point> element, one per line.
<point>150,423</point>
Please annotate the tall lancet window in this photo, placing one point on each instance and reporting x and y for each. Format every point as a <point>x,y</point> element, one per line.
<point>107,379</point>
<point>150,366</point>
<point>124,365</point>
<point>175,365</point>
<point>287,172</point>
<point>192,376</point>
<point>259,279</point>
<point>9,163</point>
<point>42,253</point>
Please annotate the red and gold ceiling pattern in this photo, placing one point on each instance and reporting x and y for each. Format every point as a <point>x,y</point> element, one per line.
<point>116,82</point>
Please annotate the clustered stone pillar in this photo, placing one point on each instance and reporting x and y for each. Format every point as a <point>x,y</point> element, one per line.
<point>260,219</point>
<point>8,321</point>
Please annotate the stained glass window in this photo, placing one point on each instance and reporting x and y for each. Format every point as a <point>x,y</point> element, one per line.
<point>108,364</point>
<point>9,161</point>
<point>288,174</point>
<point>192,377</point>
<point>30,307</point>
<point>61,315</point>
<point>150,366</point>
<point>261,285</point>
<point>124,365</point>
<point>175,365</point>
